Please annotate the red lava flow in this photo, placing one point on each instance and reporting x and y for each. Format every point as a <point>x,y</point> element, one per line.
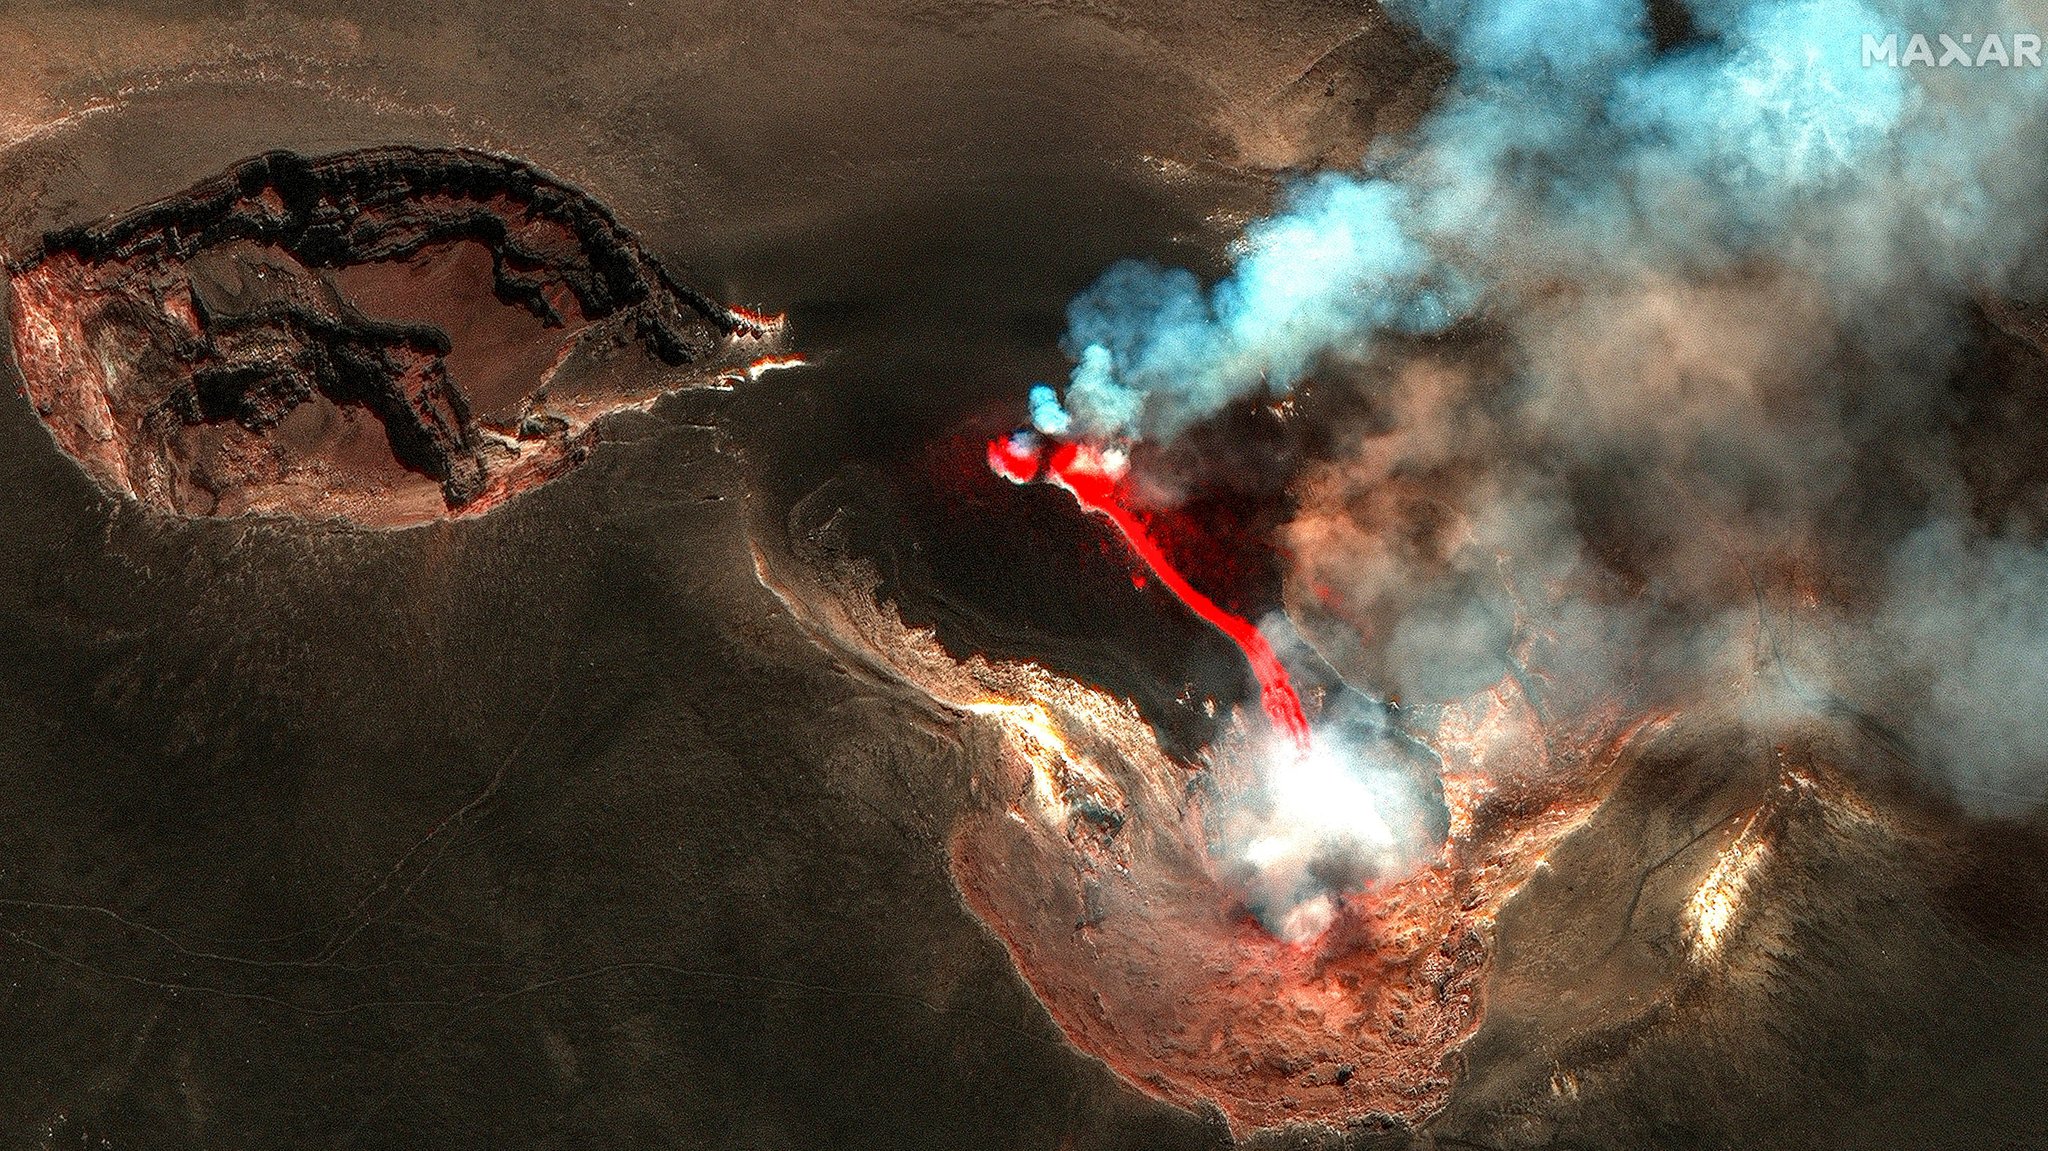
<point>1090,479</point>
<point>1087,852</point>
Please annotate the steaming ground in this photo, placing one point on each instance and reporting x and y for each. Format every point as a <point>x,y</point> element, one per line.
<point>1658,325</point>
<point>1643,346</point>
<point>554,829</point>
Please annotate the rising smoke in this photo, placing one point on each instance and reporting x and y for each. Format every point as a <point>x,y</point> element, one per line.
<point>1664,336</point>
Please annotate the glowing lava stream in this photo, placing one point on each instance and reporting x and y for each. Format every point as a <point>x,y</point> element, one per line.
<point>1092,481</point>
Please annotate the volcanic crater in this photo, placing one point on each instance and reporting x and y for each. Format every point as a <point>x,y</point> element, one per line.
<point>388,336</point>
<point>1092,851</point>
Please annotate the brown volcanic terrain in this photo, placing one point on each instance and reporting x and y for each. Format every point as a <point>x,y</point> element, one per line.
<point>1123,928</point>
<point>376,336</point>
<point>1615,897</point>
<point>556,827</point>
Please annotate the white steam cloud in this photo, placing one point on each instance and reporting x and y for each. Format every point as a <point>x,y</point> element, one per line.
<point>1648,354</point>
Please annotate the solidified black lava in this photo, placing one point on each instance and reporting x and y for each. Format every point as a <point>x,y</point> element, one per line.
<point>170,349</point>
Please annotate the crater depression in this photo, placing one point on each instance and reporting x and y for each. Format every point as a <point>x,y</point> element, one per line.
<point>387,336</point>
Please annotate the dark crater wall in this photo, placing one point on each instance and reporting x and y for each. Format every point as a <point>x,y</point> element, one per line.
<point>171,348</point>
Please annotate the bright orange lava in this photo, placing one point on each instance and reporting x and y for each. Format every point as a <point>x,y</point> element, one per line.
<point>754,323</point>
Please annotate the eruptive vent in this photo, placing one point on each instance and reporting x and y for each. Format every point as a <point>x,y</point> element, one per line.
<point>387,336</point>
<point>1289,929</point>
<point>1121,879</point>
<point>1643,384</point>
<point>1091,475</point>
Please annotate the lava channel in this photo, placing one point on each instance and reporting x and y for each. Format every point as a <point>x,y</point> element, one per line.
<point>1093,478</point>
<point>1088,851</point>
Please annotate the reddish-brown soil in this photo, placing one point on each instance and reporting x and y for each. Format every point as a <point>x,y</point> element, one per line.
<point>369,337</point>
<point>1124,931</point>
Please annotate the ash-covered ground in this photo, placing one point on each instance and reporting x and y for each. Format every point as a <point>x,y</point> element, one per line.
<point>556,827</point>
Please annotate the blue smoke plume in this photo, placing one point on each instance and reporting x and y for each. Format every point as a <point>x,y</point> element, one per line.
<point>1723,287</point>
<point>1570,146</point>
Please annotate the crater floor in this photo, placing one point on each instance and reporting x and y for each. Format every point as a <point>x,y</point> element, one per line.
<point>386,336</point>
